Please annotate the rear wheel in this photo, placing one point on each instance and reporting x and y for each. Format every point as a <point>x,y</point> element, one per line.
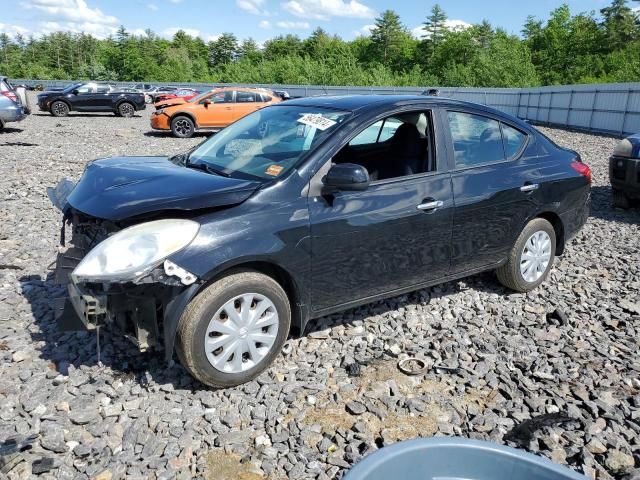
<point>59,109</point>
<point>182,127</point>
<point>234,329</point>
<point>531,257</point>
<point>620,200</point>
<point>125,109</point>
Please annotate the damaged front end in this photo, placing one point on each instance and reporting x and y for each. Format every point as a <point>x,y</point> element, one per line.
<point>117,273</point>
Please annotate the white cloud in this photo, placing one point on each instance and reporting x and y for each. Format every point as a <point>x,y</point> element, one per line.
<point>213,38</point>
<point>152,6</point>
<point>13,30</point>
<point>364,31</point>
<point>254,7</point>
<point>72,16</point>
<point>70,11</point>
<point>266,24</point>
<point>294,25</point>
<point>325,9</point>
<point>170,32</point>
<point>176,1</point>
<point>452,25</point>
<point>95,29</point>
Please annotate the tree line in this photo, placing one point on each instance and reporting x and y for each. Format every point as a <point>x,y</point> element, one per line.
<point>567,48</point>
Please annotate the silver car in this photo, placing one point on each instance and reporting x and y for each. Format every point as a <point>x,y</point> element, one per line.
<point>11,109</point>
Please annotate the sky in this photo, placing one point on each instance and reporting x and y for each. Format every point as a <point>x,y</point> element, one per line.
<point>262,19</point>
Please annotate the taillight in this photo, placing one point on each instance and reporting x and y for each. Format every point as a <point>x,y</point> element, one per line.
<point>10,95</point>
<point>583,169</point>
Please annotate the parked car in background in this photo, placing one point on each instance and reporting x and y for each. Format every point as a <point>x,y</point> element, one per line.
<point>145,87</point>
<point>624,171</point>
<point>306,208</point>
<point>91,97</point>
<point>211,111</point>
<point>185,93</point>
<point>155,91</point>
<point>11,108</point>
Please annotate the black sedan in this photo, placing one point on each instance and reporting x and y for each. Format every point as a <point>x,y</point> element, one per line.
<point>91,97</point>
<point>307,208</point>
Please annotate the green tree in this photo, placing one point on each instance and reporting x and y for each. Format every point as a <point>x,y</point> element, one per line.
<point>392,45</point>
<point>620,25</point>
<point>223,50</point>
<point>435,29</point>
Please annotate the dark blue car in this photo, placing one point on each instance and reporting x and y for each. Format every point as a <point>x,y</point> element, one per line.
<point>307,208</point>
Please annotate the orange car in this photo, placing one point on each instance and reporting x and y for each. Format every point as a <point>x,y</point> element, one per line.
<point>212,110</point>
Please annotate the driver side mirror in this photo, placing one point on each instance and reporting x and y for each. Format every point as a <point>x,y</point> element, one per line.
<point>206,103</point>
<point>74,91</point>
<point>348,177</point>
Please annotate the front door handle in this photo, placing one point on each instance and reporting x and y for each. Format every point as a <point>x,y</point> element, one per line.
<point>529,187</point>
<point>429,206</point>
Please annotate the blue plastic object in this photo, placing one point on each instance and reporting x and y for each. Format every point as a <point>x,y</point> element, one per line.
<point>456,459</point>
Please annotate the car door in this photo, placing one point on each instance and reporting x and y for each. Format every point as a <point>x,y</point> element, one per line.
<point>103,99</point>
<point>246,102</point>
<point>493,183</point>
<point>218,113</point>
<point>83,97</point>
<point>390,237</point>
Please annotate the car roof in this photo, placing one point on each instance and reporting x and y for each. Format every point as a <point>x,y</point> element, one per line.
<point>365,102</point>
<point>369,103</point>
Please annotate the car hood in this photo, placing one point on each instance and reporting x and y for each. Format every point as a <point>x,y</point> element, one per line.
<point>170,102</point>
<point>124,187</point>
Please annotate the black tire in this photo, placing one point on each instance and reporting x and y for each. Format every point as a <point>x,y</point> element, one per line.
<point>125,109</point>
<point>620,200</point>
<point>182,127</point>
<point>193,325</point>
<point>510,274</point>
<point>59,109</point>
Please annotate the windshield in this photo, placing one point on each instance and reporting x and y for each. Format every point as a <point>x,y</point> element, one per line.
<point>269,142</point>
<point>68,88</point>
<point>202,96</point>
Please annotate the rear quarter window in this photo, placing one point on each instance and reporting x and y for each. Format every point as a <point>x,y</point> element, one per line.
<point>514,140</point>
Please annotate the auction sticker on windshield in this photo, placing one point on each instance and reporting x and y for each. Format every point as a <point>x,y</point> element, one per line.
<point>274,170</point>
<point>317,121</point>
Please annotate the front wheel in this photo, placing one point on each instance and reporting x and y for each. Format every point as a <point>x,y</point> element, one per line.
<point>59,109</point>
<point>233,330</point>
<point>182,127</point>
<point>531,257</point>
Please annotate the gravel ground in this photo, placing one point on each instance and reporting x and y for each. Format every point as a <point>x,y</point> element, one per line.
<point>564,386</point>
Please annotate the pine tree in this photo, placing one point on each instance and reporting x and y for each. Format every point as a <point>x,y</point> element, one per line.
<point>387,36</point>
<point>435,28</point>
<point>621,25</point>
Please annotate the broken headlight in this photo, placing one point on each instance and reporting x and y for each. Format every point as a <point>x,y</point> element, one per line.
<point>135,251</point>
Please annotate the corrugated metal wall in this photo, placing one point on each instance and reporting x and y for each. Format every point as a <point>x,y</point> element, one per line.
<point>600,108</point>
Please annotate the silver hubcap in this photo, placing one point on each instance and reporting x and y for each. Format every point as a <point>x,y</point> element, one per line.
<point>535,257</point>
<point>126,110</point>
<point>183,127</point>
<point>241,333</point>
<point>60,108</point>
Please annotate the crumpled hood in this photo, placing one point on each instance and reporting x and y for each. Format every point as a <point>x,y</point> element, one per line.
<point>123,187</point>
<point>169,103</point>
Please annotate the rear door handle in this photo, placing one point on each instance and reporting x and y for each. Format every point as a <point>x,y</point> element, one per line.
<point>529,188</point>
<point>427,206</point>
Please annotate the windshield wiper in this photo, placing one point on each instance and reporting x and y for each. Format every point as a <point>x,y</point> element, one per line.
<point>205,168</point>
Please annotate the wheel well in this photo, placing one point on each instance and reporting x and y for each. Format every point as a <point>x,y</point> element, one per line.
<point>280,275</point>
<point>184,114</point>
<point>556,222</point>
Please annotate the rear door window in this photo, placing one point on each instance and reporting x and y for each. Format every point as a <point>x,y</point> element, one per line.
<point>477,140</point>
<point>245,97</point>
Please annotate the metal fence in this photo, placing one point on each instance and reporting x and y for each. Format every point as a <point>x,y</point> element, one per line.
<point>599,108</point>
